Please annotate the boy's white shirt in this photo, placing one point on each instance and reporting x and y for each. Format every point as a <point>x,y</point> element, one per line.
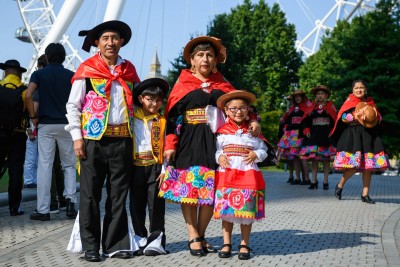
<point>142,137</point>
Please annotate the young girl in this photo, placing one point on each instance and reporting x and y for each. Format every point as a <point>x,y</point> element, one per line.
<point>240,187</point>
<point>318,121</point>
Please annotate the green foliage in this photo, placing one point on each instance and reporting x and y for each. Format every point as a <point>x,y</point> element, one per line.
<point>270,124</point>
<point>367,48</point>
<point>261,52</point>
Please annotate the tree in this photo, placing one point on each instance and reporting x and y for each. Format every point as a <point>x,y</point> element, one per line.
<point>261,53</point>
<point>367,48</point>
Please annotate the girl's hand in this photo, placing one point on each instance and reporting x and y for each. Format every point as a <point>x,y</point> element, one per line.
<point>223,161</point>
<point>250,158</point>
<point>254,128</point>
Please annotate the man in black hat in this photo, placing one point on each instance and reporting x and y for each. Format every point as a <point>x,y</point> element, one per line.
<point>100,115</point>
<point>13,141</point>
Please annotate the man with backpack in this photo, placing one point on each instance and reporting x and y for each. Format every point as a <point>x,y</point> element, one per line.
<point>12,131</point>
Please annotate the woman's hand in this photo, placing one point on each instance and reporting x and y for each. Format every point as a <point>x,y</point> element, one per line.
<point>223,161</point>
<point>254,128</point>
<point>250,158</point>
<point>170,155</point>
<point>160,179</point>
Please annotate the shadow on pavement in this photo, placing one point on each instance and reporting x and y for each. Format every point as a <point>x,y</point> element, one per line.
<point>285,242</point>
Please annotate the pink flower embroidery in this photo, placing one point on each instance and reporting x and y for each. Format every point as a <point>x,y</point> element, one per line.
<point>99,105</point>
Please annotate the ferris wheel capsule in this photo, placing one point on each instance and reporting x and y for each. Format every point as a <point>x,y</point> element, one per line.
<point>22,34</point>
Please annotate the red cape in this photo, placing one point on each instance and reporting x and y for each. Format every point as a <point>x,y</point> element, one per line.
<point>328,107</point>
<point>187,83</point>
<point>351,102</point>
<point>303,107</point>
<point>97,68</point>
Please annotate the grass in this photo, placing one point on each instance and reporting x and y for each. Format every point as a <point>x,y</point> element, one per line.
<point>4,183</point>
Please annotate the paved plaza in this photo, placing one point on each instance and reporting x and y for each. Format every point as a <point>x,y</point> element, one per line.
<point>302,228</point>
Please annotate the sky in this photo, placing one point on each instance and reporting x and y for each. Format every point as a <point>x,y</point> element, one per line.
<point>164,26</point>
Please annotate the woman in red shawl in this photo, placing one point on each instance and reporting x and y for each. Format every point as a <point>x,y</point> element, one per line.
<point>318,122</point>
<point>290,143</point>
<point>359,147</point>
<point>190,144</point>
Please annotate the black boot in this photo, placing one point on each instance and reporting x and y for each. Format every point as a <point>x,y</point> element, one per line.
<point>313,185</point>
<point>71,211</point>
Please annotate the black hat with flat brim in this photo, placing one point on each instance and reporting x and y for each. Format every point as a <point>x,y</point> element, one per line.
<point>151,82</point>
<point>94,34</point>
<point>12,63</point>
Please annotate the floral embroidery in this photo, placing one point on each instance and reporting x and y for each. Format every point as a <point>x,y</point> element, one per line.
<point>367,161</point>
<point>194,185</point>
<point>239,203</point>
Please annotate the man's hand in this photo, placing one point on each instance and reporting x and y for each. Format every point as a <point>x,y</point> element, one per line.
<point>79,148</point>
<point>170,155</point>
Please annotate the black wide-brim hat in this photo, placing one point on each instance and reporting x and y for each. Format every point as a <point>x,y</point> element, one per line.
<point>151,82</point>
<point>94,34</point>
<point>12,63</point>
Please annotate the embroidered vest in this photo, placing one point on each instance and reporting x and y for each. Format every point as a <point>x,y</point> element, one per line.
<point>95,110</point>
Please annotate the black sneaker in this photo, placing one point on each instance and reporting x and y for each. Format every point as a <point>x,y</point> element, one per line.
<point>54,207</point>
<point>70,209</point>
<point>40,217</point>
<point>62,204</point>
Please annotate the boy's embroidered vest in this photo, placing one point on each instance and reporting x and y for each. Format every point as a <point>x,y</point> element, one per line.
<point>96,108</point>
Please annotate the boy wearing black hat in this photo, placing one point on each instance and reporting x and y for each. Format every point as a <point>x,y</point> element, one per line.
<point>100,115</point>
<point>148,168</point>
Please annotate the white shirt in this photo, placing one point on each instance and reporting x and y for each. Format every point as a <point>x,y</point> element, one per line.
<point>77,96</point>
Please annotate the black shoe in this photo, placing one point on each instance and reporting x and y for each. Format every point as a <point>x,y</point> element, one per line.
<point>225,254</point>
<point>54,207</point>
<point>305,182</point>
<point>338,192</point>
<point>92,255</point>
<point>40,216</point>
<point>196,252</point>
<point>30,186</point>
<point>325,186</point>
<point>208,248</point>
<point>313,185</point>
<point>297,181</point>
<point>122,254</point>
<point>244,255</point>
<point>71,211</point>
<point>139,252</point>
<point>150,252</point>
<point>367,199</point>
<point>290,180</point>
<point>62,203</point>
<point>15,212</point>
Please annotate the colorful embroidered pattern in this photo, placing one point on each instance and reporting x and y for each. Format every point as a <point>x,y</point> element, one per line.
<point>290,139</point>
<point>194,185</point>
<point>373,162</point>
<point>318,153</point>
<point>95,111</point>
<point>239,203</point>
<point>237,150</point>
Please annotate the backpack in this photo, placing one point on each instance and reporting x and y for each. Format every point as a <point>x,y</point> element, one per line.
<point>11,107</point>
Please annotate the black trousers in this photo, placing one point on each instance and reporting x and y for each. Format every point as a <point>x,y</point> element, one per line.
<point>144,192</point>
<point>12,147</point>
<point>110,159</point>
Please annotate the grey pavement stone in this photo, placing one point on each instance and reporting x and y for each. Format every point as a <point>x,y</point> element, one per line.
<point>302,228</point>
